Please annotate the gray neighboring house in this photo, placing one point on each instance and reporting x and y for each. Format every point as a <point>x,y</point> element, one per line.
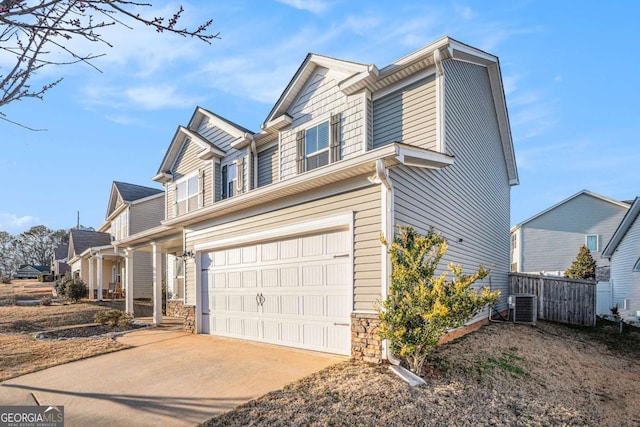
<point>59,266</point>
<point>549,241</point>
<point>623,251</point>
<point>29,271</point>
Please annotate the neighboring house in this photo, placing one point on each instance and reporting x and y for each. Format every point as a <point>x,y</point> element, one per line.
<point>549,242</point>
<point>623,251</point>
<point>59,266</point>
<point>274,235</point>
<point>132,209</point>
<point>31,271</point>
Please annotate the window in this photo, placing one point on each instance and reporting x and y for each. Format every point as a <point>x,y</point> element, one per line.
<point>637,266</point>
<point>229,175</point>
<point>318,145</point>
<point>592,242</point>
<point>187,195</point>
<point>316,152</point>
<point>514,241</point>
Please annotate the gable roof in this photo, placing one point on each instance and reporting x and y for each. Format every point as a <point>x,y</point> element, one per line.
<point>34,268</point>
<point>361,76</point>
<point>579,193</point>
<point>81,240</point>
<point>208,149</point>
<point>61,252</point>
<point>128,193</point>
<point>622,229</point>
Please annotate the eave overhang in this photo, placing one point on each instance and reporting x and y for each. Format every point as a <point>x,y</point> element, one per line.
<point>623,227</point>
<point>392,155</point>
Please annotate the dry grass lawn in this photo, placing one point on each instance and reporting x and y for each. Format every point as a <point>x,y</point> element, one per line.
<point>501,375</point>
<point>20,353</point>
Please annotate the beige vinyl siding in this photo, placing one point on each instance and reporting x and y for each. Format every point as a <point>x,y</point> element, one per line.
<point>146,215</point>
<point>142,275</point>
<point>407,115</point>
<point>626,282</point>
<point>187,160</point>
<point>551,242</point>
<point>268,166</point>
<point>318,99</point>
<point>467,202</point>
<point>364,202</point>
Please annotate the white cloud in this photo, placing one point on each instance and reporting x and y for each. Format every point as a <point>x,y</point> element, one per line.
<point>159,96</point>
<point>13,223</point>
<point>148,97</point>
<point>313,6</point>
<point>465,12</point>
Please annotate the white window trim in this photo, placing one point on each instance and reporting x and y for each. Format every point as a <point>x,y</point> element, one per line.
<point>310,125</point>
<point>636,267</point>
<point>227,163</point>
<point>186,178</point>
<point>586,239</point>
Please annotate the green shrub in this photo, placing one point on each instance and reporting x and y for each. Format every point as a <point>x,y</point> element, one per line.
<point>583,267</point>
<point>113,318</point>
<point>423,306</point>
<point>45,301</point>
<point>77,290</point>
<point>61,286</point>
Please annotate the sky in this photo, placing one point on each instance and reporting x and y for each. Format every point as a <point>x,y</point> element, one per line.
<point>569,71</point>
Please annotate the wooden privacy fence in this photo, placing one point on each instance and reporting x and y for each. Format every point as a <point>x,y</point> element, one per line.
<point>559,299</point>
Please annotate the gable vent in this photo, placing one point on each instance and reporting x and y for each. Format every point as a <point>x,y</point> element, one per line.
<point>524,308</point>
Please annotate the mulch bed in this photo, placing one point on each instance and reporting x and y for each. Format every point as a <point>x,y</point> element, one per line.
<point>88,331</point>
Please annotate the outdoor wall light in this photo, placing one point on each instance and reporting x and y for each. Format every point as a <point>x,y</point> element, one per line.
<point>187,255</point>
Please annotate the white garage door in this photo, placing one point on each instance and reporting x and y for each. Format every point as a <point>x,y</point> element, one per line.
<point>295,292</point>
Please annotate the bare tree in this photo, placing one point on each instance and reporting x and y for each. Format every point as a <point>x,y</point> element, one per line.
<point>29,29</point>
<point>37,244</point>
<point>8,254</point>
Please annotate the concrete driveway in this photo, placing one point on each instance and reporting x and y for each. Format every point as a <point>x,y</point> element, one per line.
<point>167,378</point>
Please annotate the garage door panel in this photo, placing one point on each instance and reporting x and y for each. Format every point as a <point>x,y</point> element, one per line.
<point>295,291</point>
<point>312,245</point>
<point>290,304</point>
<point>289,277</point>
<point>313,335</point>
<point>313,275</point>
<point>313,305</point>
<point>249,279</point>
<point>269,278</point>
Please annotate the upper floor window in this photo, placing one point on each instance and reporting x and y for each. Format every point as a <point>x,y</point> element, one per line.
<point>319,145</point>
<point>229,176</point>
<point>514,241</point>
<point>591,242</point>
<point>187,195</point>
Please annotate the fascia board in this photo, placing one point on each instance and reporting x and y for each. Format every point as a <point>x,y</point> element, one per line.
<point>622,229</point>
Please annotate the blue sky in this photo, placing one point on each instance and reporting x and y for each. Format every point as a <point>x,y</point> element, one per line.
<point>569,70</point>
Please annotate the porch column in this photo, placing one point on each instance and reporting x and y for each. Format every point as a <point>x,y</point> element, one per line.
<point>128,269</point>
<point>91,278</point>
<point>157,284</point>
<point>99,258</point>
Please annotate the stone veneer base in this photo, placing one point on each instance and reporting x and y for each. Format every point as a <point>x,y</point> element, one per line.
<point>176,308</point>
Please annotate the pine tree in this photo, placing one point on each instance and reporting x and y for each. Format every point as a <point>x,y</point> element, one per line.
<point>583,267</point>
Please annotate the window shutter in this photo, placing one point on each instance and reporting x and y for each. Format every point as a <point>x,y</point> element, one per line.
<point>300,150</point>
<point>239,174</point>
<point>334,143</point>
<point>175,199</point>
<point>224,182</point>
<point>201,185</point>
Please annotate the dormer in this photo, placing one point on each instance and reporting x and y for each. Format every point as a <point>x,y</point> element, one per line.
<point>206,162</point>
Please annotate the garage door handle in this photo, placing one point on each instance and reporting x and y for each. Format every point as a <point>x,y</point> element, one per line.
<point>260,299</point>
<point>341,256</point>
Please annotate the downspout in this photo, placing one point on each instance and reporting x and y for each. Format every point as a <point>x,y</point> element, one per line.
<point>381,176</point>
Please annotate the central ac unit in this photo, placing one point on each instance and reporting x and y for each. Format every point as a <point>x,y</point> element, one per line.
<point>524,308</point>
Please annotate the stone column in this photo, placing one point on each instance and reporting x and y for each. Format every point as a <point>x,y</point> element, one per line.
<point>157,284</point>
<point>128,268</point>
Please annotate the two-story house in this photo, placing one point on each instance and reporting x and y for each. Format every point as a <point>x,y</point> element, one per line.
<point>549,241</point>
<point>274,235</point>
<point>94,255</point>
